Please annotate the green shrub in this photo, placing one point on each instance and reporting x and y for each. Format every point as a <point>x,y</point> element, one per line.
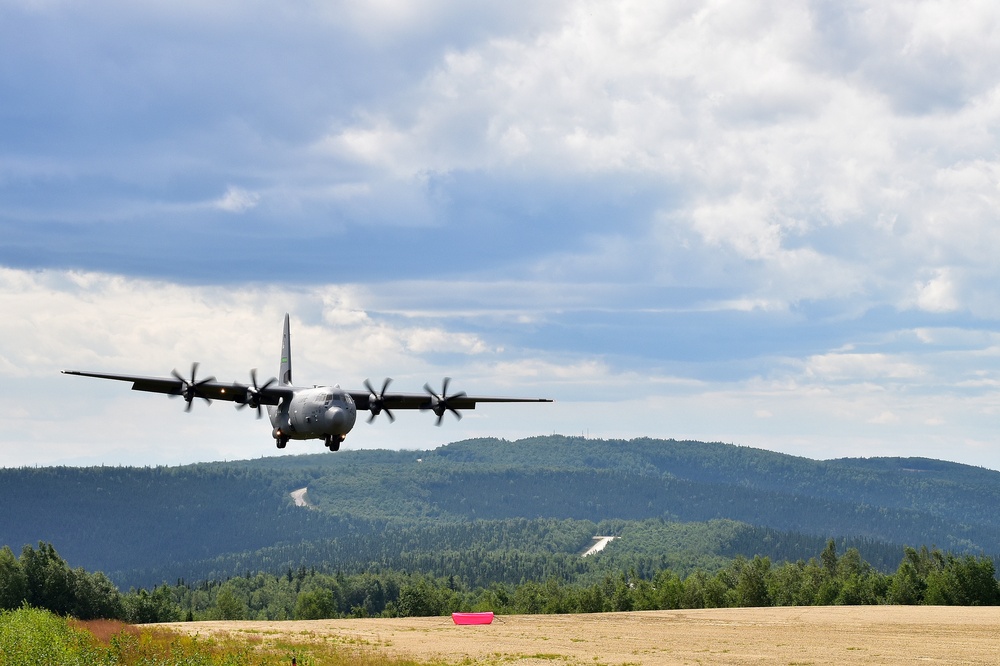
<point>33,636</point>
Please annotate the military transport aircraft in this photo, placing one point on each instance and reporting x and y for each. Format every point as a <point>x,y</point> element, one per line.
<point>296,412</point>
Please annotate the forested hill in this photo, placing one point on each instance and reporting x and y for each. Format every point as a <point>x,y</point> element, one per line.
<point>900,500</point>
<point>543,496</point>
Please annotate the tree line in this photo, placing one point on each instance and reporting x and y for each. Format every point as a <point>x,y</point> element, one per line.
<point>509,551</point>
<point>40,578</point>
<point>925,576</point>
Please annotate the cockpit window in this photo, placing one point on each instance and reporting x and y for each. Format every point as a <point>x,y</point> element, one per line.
<point>333,399</point>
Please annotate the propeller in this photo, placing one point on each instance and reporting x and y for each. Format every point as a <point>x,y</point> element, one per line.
<point>376,400</point>
<point>439,403</point>
<point>191,389</point>
<point>253,393</point>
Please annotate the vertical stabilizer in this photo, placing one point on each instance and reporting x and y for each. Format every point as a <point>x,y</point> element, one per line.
<point>285,370</point>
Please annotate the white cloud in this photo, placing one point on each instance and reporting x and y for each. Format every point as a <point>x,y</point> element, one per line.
<point>805,171</point>
<point>582,371</point>
<point>938,294</point>
<point>815,152</point>
<point>885,418</point>
<point>860,367</point>
<point>237,200</point>
<point>87,321</point>
<point>812,177</point>
<point>823,404</point>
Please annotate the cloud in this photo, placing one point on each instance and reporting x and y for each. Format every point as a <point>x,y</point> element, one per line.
<point>938,294</point>
<point>665,207</point>
<point>776,154</point>
<point>885,418</point>
<point>237,200</point>
<point>91,321</point>
<point>855,367</point>
<point>802,180</point>
<point>98,322</point>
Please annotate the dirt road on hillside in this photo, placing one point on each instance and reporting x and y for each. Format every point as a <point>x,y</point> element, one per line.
<point>825,635</point>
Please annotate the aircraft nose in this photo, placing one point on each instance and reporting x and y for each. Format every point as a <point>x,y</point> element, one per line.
<point>337,420</point>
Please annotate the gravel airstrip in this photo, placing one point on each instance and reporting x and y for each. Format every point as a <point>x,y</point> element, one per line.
<point>800,635</point>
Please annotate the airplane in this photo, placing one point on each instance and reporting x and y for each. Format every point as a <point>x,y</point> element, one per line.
<point>296,412</point>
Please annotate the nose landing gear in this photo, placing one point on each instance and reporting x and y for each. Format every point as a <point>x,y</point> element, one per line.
<point>333,442</point>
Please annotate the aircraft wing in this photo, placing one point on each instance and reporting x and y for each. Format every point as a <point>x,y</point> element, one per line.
<point>383,401</point>
<point>377,402</point>
<point>425,401</point>
<point>206,389</point>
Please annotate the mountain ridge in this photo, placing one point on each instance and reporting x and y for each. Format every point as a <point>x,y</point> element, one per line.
<point>137,524</point>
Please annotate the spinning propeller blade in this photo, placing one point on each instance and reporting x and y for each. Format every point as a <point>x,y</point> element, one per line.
<point>254,391</point>
<point>376,400</point>
<point>440,403</point>
<point>191,389</point>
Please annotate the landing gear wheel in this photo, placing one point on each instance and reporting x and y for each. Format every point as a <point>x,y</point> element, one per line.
<point>281,442</point>
<point>333,442</point>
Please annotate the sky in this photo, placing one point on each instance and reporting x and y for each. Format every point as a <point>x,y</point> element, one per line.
<point>764,223</point>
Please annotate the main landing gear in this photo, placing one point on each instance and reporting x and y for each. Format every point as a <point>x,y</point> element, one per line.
<point>331,442</point>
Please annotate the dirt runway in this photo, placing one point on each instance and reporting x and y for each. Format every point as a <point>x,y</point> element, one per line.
<point>790,636</point>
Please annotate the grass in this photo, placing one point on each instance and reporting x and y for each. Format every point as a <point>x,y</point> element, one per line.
<point>29,636</point>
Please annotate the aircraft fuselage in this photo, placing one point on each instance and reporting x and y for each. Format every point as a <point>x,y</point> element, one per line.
<point>322,412</point>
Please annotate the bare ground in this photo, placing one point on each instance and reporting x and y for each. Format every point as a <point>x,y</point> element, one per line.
<point>789,636</point>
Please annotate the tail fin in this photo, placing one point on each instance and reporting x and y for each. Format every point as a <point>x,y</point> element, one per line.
<point>285,370</point>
